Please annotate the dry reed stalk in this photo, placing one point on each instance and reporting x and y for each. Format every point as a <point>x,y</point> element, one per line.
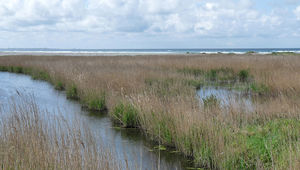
<point>35,139</point>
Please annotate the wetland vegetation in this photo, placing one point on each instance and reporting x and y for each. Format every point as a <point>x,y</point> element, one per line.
<point>29,141</point>
<point>157,94</point>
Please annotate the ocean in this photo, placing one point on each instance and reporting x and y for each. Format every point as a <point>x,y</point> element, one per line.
<point>53,51</point>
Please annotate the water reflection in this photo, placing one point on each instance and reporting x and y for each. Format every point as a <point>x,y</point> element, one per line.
<point>227,97</point>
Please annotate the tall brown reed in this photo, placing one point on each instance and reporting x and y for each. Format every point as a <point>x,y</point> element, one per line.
<point>34,139</point>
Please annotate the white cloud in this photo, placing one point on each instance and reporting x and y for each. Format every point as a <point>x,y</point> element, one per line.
<point>209,18</point>
<point>121,15</point>
<point>297,12</point>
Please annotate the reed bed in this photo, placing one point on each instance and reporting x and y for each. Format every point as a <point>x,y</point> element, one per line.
<point>31,138</point>
<point>158,94</point>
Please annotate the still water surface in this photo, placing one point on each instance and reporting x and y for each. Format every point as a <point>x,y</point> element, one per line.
<point>228,97</point>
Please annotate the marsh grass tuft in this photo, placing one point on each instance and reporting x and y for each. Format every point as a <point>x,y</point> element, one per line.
<point>72,92</point>
<point>18,69</point>
<point>41,75</point>
<point>59,86</point>
<point>126,115</point>
<point>96,103</point>
<point>3,68</point>
<point>211,102</point>
<point>259,88</point>
<point>212,75</point>
<point>243,75</point>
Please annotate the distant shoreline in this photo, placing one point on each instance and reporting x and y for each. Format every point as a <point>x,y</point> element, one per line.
<point>118,52</point>
<point>143,52</point>
<point>79,54</point>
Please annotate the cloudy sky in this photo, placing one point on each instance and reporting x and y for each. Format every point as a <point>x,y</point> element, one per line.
<point>149,23</point>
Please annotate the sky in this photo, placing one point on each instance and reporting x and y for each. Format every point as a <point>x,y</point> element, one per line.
<point>120,24</point>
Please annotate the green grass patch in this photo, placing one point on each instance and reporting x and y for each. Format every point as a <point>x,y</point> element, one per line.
<point>220,74</point>
<point>212,75</point>
<point>259,88</point>
<point>72,92</point>
<point>265,144</point>
<point>96,103</point>
<point>243,75</point>
<point>3,68</point>
<point>12,69</point>
<point>211,102</point>
<point>165,133</point>
<point>34,73</point>
<point>59,86</point>
<point>18,70</point>
<point>125,115</point>
<point>40,75</point>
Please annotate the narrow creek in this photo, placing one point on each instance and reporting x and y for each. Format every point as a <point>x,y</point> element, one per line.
<point>128,144</point>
